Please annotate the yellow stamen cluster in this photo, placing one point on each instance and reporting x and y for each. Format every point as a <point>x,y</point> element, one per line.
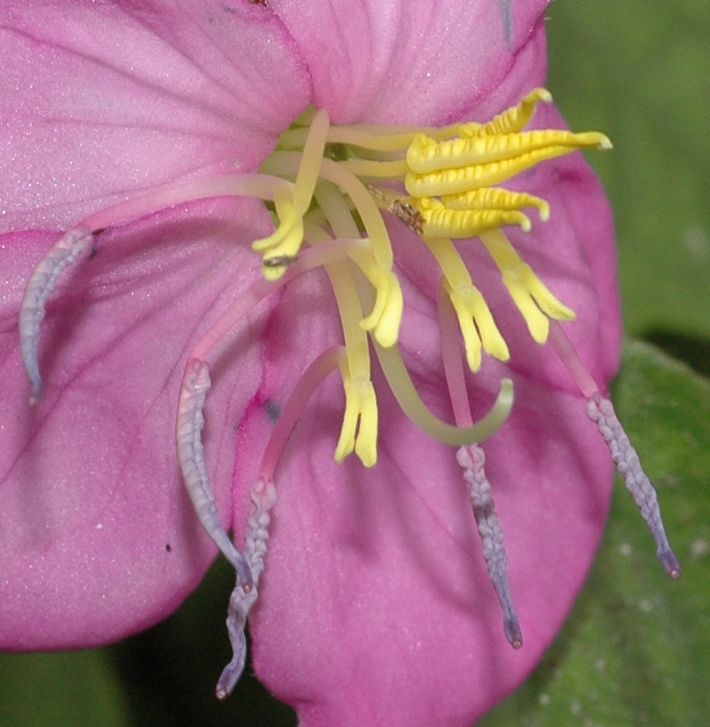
<point>450,175</point>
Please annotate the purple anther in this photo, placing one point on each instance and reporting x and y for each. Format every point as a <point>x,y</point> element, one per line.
<point>38,290</point>
<point>472,460</point>
<point>601,411</point>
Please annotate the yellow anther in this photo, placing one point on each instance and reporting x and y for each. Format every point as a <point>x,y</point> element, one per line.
<point>512,119</point>
<point>426,155</point>
<point>454,181</point>
<point>475,320</point>
<point>496,198</point>
<point>532,297</point>
<point>360,421</point>
<point>442,222</point>
<point>386,316</point>
<point>288,217</point>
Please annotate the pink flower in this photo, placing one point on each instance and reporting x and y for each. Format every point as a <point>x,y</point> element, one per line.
<point>374,605</point>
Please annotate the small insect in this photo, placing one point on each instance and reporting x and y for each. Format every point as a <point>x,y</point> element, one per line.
<point>279,261</point>
<point>258,2</point>
<point>408,214</point>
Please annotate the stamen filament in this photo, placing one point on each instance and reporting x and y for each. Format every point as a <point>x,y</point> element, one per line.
<point>286,163</point>
<point>258,186</point>
<point>472,460</point>
<point>321,367</point>
<point>573,363</point>
<point>475,319</point>
<point>369,169</point>
<point>601,411</point>
<point>257,291</point>
<point>385,317</point>
<point>412,405</point>
<point>532,297</point>
<point>311,159</point>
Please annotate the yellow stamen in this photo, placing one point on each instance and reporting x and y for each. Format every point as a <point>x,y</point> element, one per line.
<point>496,198</point>
<point>440,221</point>
<point>360,399</point>
<point>462,179</point>
<point>360,421</point>
<point>412,405</point>
<point>285,242</point>
<point>511,120</point>
<point>288,217</point>
<point>427,155</point>
<point>386,315</point>
<point>475,320</point>
<point>533,299</point>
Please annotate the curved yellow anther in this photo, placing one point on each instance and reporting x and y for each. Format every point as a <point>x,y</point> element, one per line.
<point>386,315</point>
<point>496,198</point>
<point>288,220</point>
<point>427,155</point>
<point>462,179</point>
<point>360,421</point>
<point>478,328</point>
<point>532,297</point>
<point>439,221</point>
<point>512,119</point>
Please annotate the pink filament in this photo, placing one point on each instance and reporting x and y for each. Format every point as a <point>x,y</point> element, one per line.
<point>292,411</point>
<point>573,363</point>
<point>453,366</point>
<point>317,256</point>
<point>260,186</point>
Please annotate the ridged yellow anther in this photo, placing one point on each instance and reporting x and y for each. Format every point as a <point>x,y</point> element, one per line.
<point>512,119</point>
<point>459,224</point>
<point>462,179</point>
<point>496,198</point>
<point>531,296</point>
<point>360,421</point>
<point>426,155</point>
<point>478,328</point>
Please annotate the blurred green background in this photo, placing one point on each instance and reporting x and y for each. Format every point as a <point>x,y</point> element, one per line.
<point>636,650</point>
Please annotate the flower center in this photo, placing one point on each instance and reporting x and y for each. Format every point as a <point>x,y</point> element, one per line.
<point>440,183</point>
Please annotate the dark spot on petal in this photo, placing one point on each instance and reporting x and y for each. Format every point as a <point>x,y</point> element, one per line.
<point>168,548</point>
<point>273,411</point>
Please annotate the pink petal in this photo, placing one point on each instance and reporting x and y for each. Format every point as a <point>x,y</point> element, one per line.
<point>375,606</point>
<point>106,99</point>
<point>406,62</point>
<point>97,536</point>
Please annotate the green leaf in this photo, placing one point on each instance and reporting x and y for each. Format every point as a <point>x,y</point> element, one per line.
<point>79,689</point>
<point>636,650</point>
<point>639,72</point>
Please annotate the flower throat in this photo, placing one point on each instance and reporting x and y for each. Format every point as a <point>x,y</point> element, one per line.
<point>329,189</point>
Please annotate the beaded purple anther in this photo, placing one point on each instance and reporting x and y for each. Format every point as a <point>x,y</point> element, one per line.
<point>472,460</point>
<point>601,411</point>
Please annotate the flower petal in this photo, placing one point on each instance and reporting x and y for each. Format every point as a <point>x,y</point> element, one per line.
<point>375,606</point>
<point>423,61</point>
<point>97,536</point>
<point>106,99</point>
